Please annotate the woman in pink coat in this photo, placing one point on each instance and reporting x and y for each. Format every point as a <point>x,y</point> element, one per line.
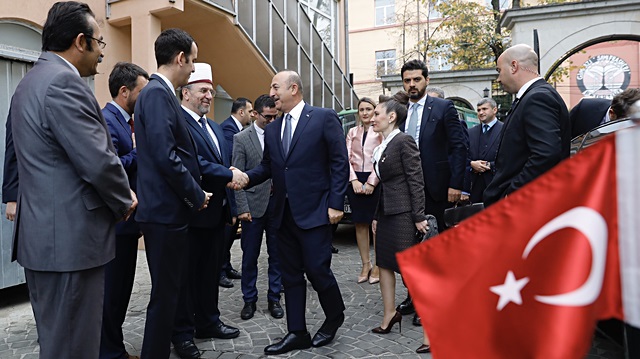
<point>363,192</point>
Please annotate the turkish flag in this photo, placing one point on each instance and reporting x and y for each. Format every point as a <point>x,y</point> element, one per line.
<point>529,276</point>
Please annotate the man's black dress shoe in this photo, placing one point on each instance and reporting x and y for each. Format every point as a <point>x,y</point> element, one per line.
<point>291,341</point>
<point>275,309</point>
<point>334,249</point>
<point>187,350</point>
<point>233,274</point>
<point>416,320</point>
<point>406,307</point>
<point>248,310</point>
<point>220,331</point>
<point>225,282</point>
<point>327,332</point>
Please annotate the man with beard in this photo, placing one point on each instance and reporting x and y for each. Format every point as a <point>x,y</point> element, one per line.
<point>125,83</point>
<point>72,187</point>
<point>434,124</point>
<point>198,315</point>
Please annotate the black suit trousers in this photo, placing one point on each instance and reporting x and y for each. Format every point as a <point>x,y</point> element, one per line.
<point>118,282</point>
<point>167,249</point>
<point>198,304</point>
<point>306,251</point>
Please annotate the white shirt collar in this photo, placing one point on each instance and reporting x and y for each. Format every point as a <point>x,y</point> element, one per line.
<point>122,111</point>
<point>70,64</point>
<point>420,102</point>
<point>259,131</point>
<point>526,86</point>
<point>493,122</point>
<point>238,124</point>
<point>166,80</point>
<point>193,114</point>
<point>296,111</point>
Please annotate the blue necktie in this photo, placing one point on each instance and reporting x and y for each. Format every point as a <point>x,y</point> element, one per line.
<point>203,124</point>
<point>286,135</point>
<point>412,127</point>
<point>485,128</point>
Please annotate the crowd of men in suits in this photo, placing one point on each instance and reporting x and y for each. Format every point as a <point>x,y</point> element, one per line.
<point>73,183</point>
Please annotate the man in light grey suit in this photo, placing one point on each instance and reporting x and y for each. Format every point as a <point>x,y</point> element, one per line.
<point>72,186</point>
<point>255,211</point>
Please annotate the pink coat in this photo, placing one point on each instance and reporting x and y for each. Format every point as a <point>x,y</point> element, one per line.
<point>360,156</point>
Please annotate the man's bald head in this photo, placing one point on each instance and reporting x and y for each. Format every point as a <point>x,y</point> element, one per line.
<point>517,66</point>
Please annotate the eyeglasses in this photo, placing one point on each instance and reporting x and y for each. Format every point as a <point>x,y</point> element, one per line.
<point>101,43</point>
<point>268,117</point>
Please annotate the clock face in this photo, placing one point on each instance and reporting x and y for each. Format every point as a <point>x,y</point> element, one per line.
<point>603,76</point>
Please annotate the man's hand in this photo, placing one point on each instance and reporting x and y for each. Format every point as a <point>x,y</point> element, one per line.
<point>464,197</point>
<point>10,213</point>
<point>133,138</point>
<point>335,216</point>
<point>374,226</point>
<point>207,197</point>
<point>240,179</point>
<point>454,195</point>
<point>246,216</point>
<point>480,166</point>
<point>134,204</point>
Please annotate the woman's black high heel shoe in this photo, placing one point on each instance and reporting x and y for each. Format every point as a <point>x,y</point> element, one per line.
<point>397,318</point>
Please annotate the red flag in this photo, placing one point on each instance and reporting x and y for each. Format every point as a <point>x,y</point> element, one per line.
<point>530,276</point>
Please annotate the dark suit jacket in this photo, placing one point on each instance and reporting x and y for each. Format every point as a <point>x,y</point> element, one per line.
<point>488,153</point>
<point>443,148</point>
<point>72,186</point>
<point>123,143</point>
<point>401,179</point>
<point>587,115</point>
<point>10,176</point>
<point>168,174</point>
<point>215,175</point>
<point>535,137</point>
<point>313,176</point>
<point>229,128</point>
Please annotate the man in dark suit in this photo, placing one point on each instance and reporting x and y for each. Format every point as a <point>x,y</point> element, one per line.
<point>590,113</point>
<point>434,124</point>
<point>168,184</point>
<point>72,186</point>
<point>537,133</point>
<point>483,147</point>
<point>241,115</point>
<point>306,157</point>
<point>198,315</point>
<point>255,209</point>
<point>125,83</point>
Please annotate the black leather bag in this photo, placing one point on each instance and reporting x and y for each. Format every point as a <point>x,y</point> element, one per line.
<point>460,212</point>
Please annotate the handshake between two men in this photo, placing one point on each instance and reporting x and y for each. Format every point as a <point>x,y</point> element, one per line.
<point>239,181</point>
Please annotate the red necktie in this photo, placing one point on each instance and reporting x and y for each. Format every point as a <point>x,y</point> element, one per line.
<point>131,124</point>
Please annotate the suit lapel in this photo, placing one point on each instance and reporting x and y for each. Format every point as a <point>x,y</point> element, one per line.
<point>121,120</point>
<point>494,134</point>
<point>304,119</point>
<point>220,137</point>
<point>253,137</point>
<point>426,113</point>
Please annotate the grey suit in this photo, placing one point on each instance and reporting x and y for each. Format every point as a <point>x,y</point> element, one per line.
<point>72,190</point>
<point>247,154</point>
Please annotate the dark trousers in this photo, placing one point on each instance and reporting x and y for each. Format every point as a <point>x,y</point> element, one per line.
<point>167,255</point>
<point>307,251</point>
<point>68,310</point>
<point>119,275</point>
<point>198,305</point>
<point>229,238</point>
<point>436,208</point>
<point>251,242</point>
<point>477,188</point>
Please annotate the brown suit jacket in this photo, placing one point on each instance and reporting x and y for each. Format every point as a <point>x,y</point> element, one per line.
<point>401,179</point>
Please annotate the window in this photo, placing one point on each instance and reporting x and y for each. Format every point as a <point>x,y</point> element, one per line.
<point>385,12</point>
<point>385,62</point>
<point>438,63</point>
<point>323,15</point>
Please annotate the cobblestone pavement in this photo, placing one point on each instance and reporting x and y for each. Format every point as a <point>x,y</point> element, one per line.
<point>354,339</point>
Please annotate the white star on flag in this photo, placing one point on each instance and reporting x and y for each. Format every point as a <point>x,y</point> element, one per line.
<point>510,290</point>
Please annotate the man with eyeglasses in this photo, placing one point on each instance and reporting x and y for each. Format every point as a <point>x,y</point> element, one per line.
<point>72,187</point>
<point>198,314</point>
<point>241,115</point>
<point>255,210</point>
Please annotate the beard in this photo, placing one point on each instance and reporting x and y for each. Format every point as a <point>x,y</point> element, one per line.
<point>417,95</point>
<point>204,109</point>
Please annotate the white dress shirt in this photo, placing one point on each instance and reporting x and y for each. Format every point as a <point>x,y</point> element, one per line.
<point>295,113</point>
<point>197,119</point>
<point>260,133</point>
<point>420,103</point>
